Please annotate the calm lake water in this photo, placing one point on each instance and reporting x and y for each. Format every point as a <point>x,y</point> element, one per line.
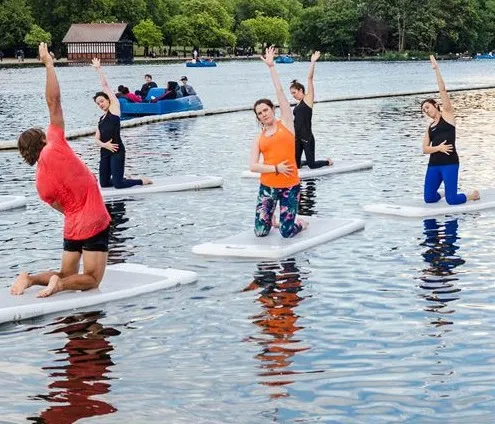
<point>391,324</point>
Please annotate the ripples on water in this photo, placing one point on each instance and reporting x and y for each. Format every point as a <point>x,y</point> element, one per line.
<point>392,324</point>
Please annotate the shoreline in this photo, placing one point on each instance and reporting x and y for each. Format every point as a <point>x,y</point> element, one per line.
<point>34,62</point>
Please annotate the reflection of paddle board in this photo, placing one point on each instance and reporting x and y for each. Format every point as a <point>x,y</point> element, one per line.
<point>418,208</point>
<point>274,246</point>
<point>164,184</point>
<point>11,202</point>
<point>120,281</point>
<point>339,166</point>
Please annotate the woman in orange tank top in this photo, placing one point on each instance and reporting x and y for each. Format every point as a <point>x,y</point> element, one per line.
<point>279,180</point>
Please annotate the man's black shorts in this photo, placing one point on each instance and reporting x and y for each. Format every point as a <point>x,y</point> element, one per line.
<point>97,243</point>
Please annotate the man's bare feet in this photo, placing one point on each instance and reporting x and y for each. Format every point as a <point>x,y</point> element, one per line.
<point>304,224</point>
<point>22,283</point>
<point>146,181</point>
<point>52,287</point>
<point>475,195</point>
<point>330,162</point>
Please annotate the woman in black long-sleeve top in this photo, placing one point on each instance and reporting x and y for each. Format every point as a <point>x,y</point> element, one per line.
<point>107,137</point>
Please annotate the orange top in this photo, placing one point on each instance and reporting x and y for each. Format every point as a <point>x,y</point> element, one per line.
<point>276,148</point>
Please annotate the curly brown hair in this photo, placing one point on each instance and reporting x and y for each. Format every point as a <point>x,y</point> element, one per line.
<point>30,143</point>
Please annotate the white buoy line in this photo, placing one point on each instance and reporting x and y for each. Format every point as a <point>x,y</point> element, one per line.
<point>144,120</point>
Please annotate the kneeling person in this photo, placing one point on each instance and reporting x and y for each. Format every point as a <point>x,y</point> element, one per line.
<point>66,184</point>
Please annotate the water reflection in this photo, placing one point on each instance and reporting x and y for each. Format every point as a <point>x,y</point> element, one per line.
<point>439,277</point>
<point>81,372</point>
<point>307,202</point>
<point>118,251</point>
<point>280,284</point>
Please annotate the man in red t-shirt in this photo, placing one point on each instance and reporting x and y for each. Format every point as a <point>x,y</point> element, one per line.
<point>66,184</point>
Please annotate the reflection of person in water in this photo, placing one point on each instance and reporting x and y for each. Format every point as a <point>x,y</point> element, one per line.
<point>81,373</point>
<point>119,236</point>
<point>441,254</point>
<point>307,201</point>
<point>280,284</point>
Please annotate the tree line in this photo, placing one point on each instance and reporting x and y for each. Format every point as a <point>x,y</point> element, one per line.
<point>335,27</point>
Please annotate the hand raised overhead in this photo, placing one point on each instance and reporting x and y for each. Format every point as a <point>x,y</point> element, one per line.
<point>44,54</point>
<point>269,56</point>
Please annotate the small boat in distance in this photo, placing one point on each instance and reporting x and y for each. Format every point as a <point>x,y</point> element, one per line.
<point>489,55</point>
<point>284,59</point>
<point>201,63</point>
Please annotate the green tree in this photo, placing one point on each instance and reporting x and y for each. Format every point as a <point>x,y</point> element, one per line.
<point>305,31</point>
<point>486,36</point>
<point>37,35</point>
<point>338,27</point>
<point>131,11</point>
<point>15,22</point>
<point>286,9</point>
<point>148,34</point>
<point>246,35</point>
<point>178,32</point>
<point>269,30</point>
<point>331,27</point>
<point>158,11</point>
<point>212,8</point>
<point>56,16</point>
<point>462,25</point>
<point>208,24</point>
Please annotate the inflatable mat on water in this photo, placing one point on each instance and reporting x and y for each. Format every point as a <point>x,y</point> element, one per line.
<point>338,167</point>
<point>120,281</point>
<point>274,246</point>
<point>417,208</point>
<point>11,202</point>
<point>163,184</point>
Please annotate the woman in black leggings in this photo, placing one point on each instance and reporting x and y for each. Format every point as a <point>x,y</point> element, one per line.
<point>112,153</point>
<point>303,113</point>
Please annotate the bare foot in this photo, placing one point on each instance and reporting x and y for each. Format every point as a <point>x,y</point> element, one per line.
<point>22,283</point>
<point>330,162</point>
<point>304,224</point>
<point>146,181</point>
<point>475,195</point>
<point>52,287</point>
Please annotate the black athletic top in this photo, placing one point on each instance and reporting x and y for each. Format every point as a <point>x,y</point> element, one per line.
<point>302,121</point>
<point>109,126</point>
<point>147,87</point>
<point>439,133</point>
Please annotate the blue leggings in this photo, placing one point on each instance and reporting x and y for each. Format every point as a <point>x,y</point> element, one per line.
<point>449,174</point>
<point>267,202</point>
<point>112,172</point>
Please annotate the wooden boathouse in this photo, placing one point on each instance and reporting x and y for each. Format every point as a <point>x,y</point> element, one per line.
<point>112,43</point>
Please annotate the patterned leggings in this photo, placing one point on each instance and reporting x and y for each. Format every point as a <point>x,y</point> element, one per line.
<point>267,202</point>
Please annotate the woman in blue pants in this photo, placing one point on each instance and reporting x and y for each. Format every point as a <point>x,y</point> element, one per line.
<point>439,143</point>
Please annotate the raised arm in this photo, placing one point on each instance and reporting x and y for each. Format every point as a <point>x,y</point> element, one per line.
<point>114,102</point>
<point>285,111</point>
<point>309,98</point>
<point>447,108</point>
<point>52,90</point>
